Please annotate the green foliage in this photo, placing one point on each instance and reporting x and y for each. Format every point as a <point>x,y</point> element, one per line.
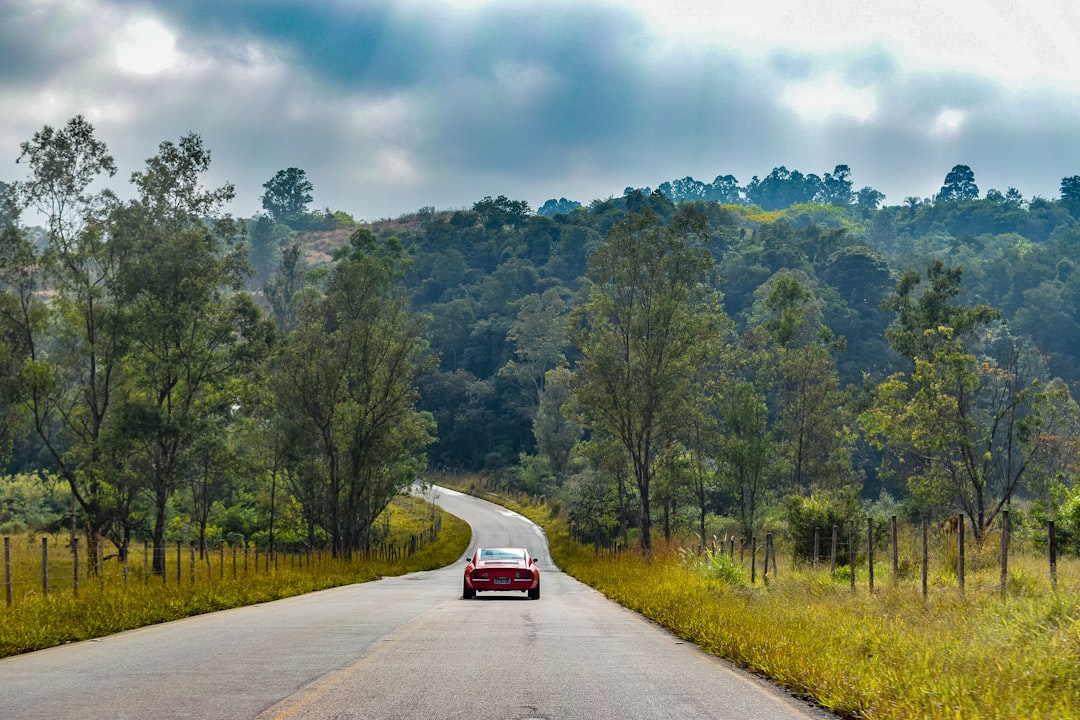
<point>817,515</point>
<point>641,332</point>
<point>288,194</point>
<point>718,566</point>
<point>32,504</point>
<point>1068,524</point>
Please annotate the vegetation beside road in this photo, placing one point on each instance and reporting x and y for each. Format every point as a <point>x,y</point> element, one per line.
<point>886,655</point>
<point>105,607</point>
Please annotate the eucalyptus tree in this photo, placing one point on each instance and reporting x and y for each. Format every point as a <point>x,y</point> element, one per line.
<point>970,428</point>
<point>75,345</point>
<point>348,380</point>
<point>810,422</point>
<point>538,335</point>
<point>194,335</point>
<point>556,427</point>
<point>18,307</point>
<point>647,316</point>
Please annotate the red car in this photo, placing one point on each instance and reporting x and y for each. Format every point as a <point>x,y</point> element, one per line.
<point>501,569</point>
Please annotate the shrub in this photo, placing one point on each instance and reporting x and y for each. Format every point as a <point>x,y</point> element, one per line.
<point>819,512</point>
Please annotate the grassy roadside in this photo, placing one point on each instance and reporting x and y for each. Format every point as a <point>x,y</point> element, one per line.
<point>888,655</point>
<point>106,608</point>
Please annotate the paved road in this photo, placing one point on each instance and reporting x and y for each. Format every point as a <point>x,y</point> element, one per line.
<point>406,647</point>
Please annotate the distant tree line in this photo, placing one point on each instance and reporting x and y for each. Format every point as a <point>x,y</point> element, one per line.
<point>663,359</point>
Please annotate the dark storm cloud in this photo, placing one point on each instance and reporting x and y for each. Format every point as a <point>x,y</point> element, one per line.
<point>389,106</point>
<point>38,42</point>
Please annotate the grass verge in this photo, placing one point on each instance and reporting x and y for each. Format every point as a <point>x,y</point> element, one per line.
<point>103,608</point>
<point>888,655</point>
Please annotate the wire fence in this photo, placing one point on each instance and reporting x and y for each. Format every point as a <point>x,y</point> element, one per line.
<point>38,568</point>
<point>861,554</point>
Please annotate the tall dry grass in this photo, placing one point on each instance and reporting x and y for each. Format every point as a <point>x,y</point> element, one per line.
<point>108,603</point>
<point>890,654</point>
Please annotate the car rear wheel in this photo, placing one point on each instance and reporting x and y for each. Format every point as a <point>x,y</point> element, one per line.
<point>534,594</point>
<point>467,592</point>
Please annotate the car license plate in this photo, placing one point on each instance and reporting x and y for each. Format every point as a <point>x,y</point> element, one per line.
<point>502,581</point>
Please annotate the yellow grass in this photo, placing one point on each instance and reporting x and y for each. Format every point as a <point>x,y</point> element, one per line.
<point>109,604</point>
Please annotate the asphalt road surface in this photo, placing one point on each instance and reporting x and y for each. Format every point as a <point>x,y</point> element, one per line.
<point>405,647</point>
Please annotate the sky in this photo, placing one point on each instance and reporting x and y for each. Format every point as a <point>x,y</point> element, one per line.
<point>393,105</point>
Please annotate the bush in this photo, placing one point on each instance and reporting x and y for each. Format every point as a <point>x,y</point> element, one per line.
<point>820,513</point>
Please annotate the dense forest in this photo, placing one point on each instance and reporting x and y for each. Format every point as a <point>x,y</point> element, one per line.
<point>789,349</point>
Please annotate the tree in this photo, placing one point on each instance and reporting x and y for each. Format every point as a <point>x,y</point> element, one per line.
<point>959,185</point>
<point>811,425</point>
<point>74,359</point>
<point>194,335</point>
<point>265,239</point>
<point>1070,193</point>
<point>970,430</point>
<point>283,287</point>
<point>288,194</point>
<point>538,335</point>
<point>725,189</point>
<point>553,207</point>
<point>867,198</point>
<point>686,189</point>
<point>556,428</point>
<point>21,310</point>
<point>1070,188</point>
<point>783,188</point>
<point>918,315</point>
<point>647,314</point>
<point>348,382</point>
<point>836,187</point>
<point>745,450</point>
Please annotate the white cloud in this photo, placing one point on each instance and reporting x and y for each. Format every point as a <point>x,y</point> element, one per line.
<point>823,99</point>
<point>145,47</point>
<point>948,122</point>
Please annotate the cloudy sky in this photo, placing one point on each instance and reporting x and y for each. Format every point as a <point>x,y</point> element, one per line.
<point>392,105</point>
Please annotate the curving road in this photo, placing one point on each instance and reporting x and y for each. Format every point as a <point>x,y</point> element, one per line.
<point>406,647</point>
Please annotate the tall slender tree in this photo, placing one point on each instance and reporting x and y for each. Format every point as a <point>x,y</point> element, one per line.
<point>74,359</point>
<point>648,313</point>
<point>348,379</point>
<point>193,333</point>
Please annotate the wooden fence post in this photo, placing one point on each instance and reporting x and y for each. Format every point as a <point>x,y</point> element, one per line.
<point>45,566</point>
<point>1004,552</point>
<point>7,569</point>
<point>817,545</point>
<point>179,560</point>
<point>851,551</point>
<point>191,554</point>
<point>1052,546</point>
<point>870,552</point>
<point>75,566</point>
<point>753,558</point>
<point>832,565</point>
<point>768,541</point>
<point>925,555</point>
<point>960,553</point>
<point>895,552</point>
